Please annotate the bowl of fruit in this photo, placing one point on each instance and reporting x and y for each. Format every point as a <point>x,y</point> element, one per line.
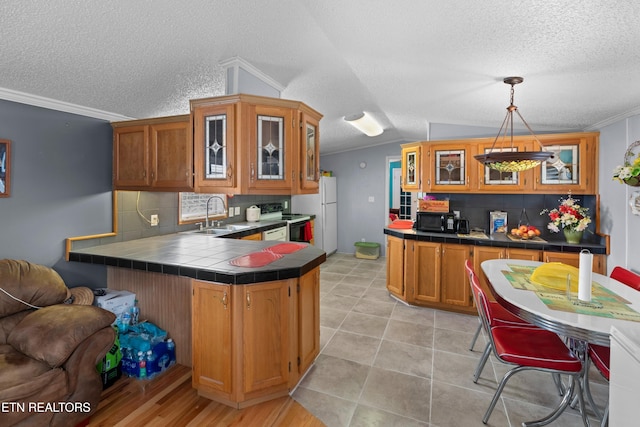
<point>525,232</point>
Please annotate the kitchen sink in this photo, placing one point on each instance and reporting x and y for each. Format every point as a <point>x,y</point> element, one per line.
<point>223,229</point>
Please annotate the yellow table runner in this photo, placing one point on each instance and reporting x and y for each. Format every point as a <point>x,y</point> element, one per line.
<point>605,303</point>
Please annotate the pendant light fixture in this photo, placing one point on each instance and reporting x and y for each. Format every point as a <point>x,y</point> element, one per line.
<point>512,161</point>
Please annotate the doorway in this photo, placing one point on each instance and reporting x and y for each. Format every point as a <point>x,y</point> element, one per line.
<point>398,203</point>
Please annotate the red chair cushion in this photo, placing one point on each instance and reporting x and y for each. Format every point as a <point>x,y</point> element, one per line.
<point>600,355</point>
<point>536,348</point>
<point>627,277</point>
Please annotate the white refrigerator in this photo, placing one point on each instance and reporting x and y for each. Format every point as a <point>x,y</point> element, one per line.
<point>324,206</point>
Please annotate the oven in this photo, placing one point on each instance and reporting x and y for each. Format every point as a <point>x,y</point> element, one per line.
<point>299,228</point>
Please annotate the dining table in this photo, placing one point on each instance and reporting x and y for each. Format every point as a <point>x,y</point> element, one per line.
<point>556,307</point>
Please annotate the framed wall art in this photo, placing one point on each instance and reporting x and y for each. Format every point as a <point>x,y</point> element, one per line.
<point>5,167</point>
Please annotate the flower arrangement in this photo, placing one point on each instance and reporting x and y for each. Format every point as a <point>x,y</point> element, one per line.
<point>629,173</point>
<point>568,215</point>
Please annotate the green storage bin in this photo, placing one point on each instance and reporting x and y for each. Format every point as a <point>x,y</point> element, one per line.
<point>367,250</point>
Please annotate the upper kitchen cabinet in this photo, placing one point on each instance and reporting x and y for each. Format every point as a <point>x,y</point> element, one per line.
<point>153,154</point>
<point>214,156</point>
<point>450,166</point>
<point>309,151</point>
<point>573,167</point>
<point>411,170</point>
<point>246,144</point>
<point>494,181</point>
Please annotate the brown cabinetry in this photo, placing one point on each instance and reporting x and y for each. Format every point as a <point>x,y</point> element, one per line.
<point>153,154</point>
<point>270,145</point>
<point>396,266</point>
<point>484,253</point>
<point>254,342</point>
<point>449,166</point>
<point>599,261</point>
<point>411,167</point>
<point>432,274</point>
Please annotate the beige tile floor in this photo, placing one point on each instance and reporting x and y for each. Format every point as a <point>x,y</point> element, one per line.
<point>383,363</point>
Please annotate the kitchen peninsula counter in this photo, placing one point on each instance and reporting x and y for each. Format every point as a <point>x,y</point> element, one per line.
<point>200,256</point>
<point>248,333</point>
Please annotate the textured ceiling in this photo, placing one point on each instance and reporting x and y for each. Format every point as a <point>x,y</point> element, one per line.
<point>407,62</point>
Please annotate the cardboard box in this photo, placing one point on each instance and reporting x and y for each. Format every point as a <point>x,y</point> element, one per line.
<point>433,206</point>
<point>115,301</point>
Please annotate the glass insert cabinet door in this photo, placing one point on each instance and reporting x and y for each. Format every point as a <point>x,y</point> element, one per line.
<point>216,161</point>
<point>562,168</point>
<point>450,167</point>
<point>310,152</point>
<point>270,148</point>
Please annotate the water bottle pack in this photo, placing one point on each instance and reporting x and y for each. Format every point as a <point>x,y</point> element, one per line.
<point>146,351</point>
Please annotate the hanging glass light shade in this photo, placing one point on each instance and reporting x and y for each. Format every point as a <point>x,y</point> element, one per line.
<point>512,161</point>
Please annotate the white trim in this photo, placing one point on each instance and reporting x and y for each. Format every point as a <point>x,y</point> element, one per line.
<point>613,119</point>
<point>53,104</point>
<point>238,62</point>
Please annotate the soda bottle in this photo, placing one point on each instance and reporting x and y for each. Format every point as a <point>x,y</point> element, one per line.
<point>142,365</point>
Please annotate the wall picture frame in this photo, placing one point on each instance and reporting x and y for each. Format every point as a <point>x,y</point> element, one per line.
<point>5,168</point>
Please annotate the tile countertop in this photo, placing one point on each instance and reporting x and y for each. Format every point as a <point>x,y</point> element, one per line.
<point>596,246</point>
<point>200,256</point>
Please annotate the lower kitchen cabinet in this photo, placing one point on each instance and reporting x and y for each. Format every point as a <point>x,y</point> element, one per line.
<point>484,253</point>
<point>431,274</point>
<point>599,261</point>
<point>252,343</point>
<point>395,266</point>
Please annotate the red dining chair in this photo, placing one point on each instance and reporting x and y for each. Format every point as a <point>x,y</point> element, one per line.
<point>529,349</point>
<point>599,354</point>
<point>499,317</point>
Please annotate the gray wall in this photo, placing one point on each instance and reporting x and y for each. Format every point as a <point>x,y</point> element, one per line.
<point>60,186</point>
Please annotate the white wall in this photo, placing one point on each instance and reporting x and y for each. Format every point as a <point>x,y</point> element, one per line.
<point>616,218</point>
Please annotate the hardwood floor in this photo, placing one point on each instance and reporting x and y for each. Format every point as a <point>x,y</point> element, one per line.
<point>169,400</point>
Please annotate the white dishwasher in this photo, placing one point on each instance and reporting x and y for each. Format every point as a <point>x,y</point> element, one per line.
<point>275,234</point>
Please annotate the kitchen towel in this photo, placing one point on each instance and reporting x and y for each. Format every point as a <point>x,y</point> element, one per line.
<point>306,234</point>
<point>584,275</point>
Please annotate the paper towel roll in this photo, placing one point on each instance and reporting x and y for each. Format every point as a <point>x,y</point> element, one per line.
<point>584,275</point>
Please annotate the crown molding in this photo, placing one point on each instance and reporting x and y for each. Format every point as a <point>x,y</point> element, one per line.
<point>53,104</point>
<point>237,62</point>
<point>612,120</point>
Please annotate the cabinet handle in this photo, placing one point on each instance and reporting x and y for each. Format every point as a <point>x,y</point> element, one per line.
<point>224,300</point>
<point>293,176</point>
<point>229,171</point>
<point>253,172</point>
<point>144,173</point>
<point>248,301</point>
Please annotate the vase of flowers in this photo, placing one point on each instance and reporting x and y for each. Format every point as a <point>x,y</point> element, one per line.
<point>569,216</point>
<point>629,173</point>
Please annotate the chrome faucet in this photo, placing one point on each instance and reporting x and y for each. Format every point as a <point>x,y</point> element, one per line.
<point>224,210</point>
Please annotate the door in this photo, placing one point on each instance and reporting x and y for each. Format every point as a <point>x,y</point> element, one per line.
<point>456,289</point>
<point>131,156</point>
<point>395,266</point>
<point>171,155</point>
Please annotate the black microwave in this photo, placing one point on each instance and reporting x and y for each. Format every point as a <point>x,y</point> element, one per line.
<point>435,222</point>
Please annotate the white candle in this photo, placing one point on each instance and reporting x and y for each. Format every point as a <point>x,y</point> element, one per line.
<point>584,275</point>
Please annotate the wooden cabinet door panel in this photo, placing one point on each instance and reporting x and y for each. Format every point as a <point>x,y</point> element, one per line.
<point>395,266</point>
<point>411,170</point>
<point>266,335</point>
<point>211,334</point>
<point>599,261</point>
<point>309,159</point>
<point>427,260</point>
<point>131,156</point>
<point>171,155</point>
<point>308,319</point>
<point>456,289</point>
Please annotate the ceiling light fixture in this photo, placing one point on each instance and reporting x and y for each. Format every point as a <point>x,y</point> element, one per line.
<point>512,160</point>
<point>365,124</point>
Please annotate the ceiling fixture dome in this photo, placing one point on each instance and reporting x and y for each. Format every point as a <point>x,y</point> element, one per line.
<point>508,159</point>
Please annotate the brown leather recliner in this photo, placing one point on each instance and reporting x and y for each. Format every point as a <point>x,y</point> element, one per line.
<point>48,355</point>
